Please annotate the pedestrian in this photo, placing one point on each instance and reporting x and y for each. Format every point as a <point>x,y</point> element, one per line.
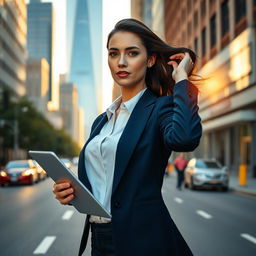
<point>180,163</point>
<point>123,162</point>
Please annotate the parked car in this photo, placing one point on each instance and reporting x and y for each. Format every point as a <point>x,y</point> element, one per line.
<point>206,174</point>
<point>19,172</point>
<point>41,172</point>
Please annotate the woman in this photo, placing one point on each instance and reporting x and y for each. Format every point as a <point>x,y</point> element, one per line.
<point>124,159</point>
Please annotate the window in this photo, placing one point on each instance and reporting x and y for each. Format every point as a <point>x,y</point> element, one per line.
<point>240,10</point>
<point>196,45</point>
<point>189,4</point>
<point>189,28</point>
<point>208,164</point>
<point>195,19</point>
<point>213,30</point>
<point>224,18</point>
<point>203,9</point>
<point>203,41</point>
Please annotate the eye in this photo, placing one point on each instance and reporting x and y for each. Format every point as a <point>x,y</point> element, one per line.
<point>112,54</point>
<point>133,53</point>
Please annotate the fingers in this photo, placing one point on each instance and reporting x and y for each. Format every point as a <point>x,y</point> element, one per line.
<point>63,192</point>
<point>60,186</point>
<point>65,200</point>
<point>180,56</point>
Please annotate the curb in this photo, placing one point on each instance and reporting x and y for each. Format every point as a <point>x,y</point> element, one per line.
<point>242,192</point>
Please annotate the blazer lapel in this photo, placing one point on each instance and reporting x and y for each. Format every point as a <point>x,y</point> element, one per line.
<point>81,166</point>
<point>131,134</point>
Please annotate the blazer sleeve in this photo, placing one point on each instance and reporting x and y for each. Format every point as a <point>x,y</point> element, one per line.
<point>179,121</point>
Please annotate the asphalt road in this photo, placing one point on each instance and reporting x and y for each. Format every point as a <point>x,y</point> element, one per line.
<point>212,222</point>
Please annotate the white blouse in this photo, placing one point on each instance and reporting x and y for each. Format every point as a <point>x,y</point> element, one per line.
<point>100,152</point>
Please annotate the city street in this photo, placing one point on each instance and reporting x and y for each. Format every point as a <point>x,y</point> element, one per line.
<point>212,222</point>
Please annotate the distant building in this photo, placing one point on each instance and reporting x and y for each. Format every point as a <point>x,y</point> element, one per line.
<point>38,83</point>
<point>41,25</point>
<point>71,113</point>
<point>13,39</point>
<point>222,33</point>
<point>151,12</point>
<point>80,50</point>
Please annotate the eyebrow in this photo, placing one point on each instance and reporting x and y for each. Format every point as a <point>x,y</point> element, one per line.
<point>128,48</point>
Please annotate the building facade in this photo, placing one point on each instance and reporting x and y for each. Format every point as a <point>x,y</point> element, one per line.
<point>151,12</point>
<point>222,34</point>
<point>40,37</point>
<point>38,83</point>
<point>71,113</point>
<point>13,38</point>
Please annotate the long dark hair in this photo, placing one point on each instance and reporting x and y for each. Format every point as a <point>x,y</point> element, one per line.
<point>159,76</point>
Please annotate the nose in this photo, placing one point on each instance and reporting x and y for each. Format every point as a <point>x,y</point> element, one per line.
<point>122,61</point>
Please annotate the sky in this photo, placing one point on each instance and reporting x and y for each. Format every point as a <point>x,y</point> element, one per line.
<point>113,10</point>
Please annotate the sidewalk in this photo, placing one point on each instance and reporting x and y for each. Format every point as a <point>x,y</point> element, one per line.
<point>249,189</point>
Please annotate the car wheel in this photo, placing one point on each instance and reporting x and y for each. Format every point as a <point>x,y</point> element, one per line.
<point>32,180</point>
<point>224,189</point>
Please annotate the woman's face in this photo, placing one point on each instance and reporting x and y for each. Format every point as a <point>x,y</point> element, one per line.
<point>127,59</point>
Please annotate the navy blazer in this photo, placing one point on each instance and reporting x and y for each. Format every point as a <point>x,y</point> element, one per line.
<point>157,126</point>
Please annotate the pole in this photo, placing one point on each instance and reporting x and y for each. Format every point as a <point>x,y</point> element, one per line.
<point>16,139</point>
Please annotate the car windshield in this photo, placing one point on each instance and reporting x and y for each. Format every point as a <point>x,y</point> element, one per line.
<point>17,165</point>
<point>207,164</point>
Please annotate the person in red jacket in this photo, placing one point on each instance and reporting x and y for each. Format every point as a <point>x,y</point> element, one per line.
<point>180,163</point>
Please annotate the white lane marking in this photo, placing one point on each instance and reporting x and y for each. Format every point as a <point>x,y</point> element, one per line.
<point>67,215</point>
<point>43,247</point>
<point>204,214</point>
<point>249,238</point>
<point>178,200</point>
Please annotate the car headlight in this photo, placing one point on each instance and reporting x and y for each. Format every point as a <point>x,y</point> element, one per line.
<point>27,172</point>
<point>3,174</point>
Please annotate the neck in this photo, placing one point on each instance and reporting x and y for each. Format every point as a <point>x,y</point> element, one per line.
<point>130,92</point>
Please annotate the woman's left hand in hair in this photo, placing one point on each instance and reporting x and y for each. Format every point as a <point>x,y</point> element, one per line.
<point>182,70</point>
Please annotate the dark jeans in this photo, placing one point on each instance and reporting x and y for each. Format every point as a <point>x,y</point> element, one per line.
<point>180,178</point>
<point>102,240</point>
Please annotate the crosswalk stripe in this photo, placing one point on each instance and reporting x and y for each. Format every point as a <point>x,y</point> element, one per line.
<point>178,200</point>
<point>67,215</point>
<point>44,245</point>
<point>204,214</point>
<point>249,238</point>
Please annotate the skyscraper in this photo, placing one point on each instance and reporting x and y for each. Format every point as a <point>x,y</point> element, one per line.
<point>13,31</point>
<point>41,40</point>
<point>80,63</point>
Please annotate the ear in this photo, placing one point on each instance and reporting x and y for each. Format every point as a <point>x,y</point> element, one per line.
<point>151,60</point>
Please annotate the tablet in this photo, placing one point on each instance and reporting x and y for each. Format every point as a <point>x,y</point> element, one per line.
<point>83,200</point>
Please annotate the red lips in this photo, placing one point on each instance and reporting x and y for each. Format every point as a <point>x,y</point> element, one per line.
<point>122,74</point>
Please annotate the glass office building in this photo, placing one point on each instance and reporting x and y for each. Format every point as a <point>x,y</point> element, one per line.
<point>40,20</point>
<point>80,63</point>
